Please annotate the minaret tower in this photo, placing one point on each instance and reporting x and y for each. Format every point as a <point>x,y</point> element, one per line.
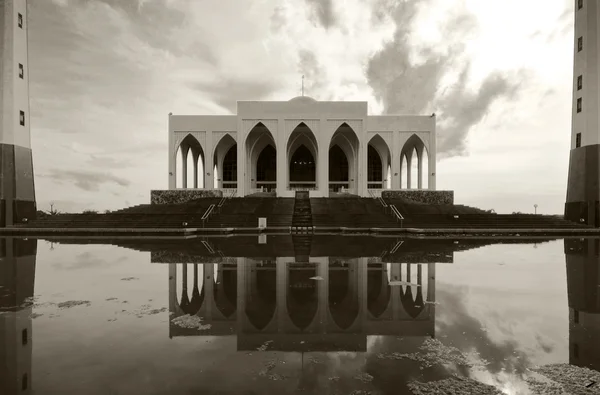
<point>583,187</point>
<point>17,194</point>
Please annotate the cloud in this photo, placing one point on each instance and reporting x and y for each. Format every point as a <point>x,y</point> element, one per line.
<point>324,12</point>
<point>88,260</point>
<point>412,78</point>
<point>86,180</point>
<point>459,328</point>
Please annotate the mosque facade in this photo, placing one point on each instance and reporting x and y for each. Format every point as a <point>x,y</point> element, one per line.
<point>302,144</point>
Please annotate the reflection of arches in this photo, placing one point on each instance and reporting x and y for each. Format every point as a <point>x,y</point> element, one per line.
<point>343,301</point>
<point>260,306</point>
<point>226,291</point>
<point>189,145</point>
<point>193,305</point>
<point>256,141</point>
<point>302,154</point>
<point>302,299</point>
<point>378,290</point>
<point>413,304</point>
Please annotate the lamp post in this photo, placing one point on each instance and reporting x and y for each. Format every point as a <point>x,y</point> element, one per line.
<point>535,206</point>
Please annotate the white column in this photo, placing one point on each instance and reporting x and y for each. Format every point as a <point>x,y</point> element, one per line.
<point>281,148</point>
<point>409,170</point>
<point>184,155</point>
<point>209,160</point>
<point>420,168</point>
<point>396,161</point>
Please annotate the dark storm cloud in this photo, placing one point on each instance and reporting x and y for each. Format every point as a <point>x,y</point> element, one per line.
<point>405,88</point>
<point>323,10</point>
<point>86,180</point>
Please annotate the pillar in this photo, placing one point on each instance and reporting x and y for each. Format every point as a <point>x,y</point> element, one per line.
<point>195,155</point>
<point>184,154</point>
<point>209,162</point>
<point>281,149</point>
<point>17,191</point>
<point>396,161</point>
<point>323,140</point>
<point>420,168</point>
<point>408,170</point>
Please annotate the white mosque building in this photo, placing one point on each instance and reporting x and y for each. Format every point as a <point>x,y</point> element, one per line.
<point>302,144</point>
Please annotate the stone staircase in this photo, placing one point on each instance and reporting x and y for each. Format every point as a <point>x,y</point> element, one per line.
<point>302,217</point>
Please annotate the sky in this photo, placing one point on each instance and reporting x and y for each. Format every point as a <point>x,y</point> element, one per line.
<point>104,74</point>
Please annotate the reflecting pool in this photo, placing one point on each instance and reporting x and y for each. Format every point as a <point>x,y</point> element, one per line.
<point>301,314</point>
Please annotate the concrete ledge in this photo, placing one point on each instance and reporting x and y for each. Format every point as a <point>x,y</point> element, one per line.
<point>287,230</point>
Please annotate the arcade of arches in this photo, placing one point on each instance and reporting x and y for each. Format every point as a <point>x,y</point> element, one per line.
<point>278,295</point>
<point>301,162</point>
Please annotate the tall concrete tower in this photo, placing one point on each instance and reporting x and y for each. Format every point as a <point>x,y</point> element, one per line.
<point>17,194</point>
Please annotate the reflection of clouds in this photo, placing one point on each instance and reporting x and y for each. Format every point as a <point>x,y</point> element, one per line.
<point>459,328</point>
<point>88,260</point>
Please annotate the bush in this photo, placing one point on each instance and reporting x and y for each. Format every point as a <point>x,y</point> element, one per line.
<point>90,212</point>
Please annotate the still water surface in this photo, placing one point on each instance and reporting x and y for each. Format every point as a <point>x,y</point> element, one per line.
<point>284,315</point>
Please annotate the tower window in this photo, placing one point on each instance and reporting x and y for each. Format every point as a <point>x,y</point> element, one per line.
<point>21,20</point>
<point>576,312</point>
<point>24,383</point>
<point>21,71</point>
<point>580,44</point>
<point>579,105</point>
<point>24,338</point>
<point>579,82</point>
<point>577,145</point>
<point>579,4</point>
<point>22,118</point>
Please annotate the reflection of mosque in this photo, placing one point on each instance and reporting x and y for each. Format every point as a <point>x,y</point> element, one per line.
<point>17,274</point>
<point>583,283</point>
<point>325,304</point>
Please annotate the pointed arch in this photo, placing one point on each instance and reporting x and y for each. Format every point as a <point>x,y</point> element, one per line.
<point>378,163</point>
<point>225,290</point>
<point>225,162</point>
<point>347,139</point>
<point>302,152</point>
<point>191,304</point>
<point>256,141</point>
<point>189,158</point>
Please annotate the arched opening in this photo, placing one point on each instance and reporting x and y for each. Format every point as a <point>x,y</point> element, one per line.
<point>404,172</point>
<point>225,163</point>
<point>414,169</point>
<point>189,164</point>
<point>338,169</point>
<point>261,297</point>
<point>424,177</point>
<point>258,139</point>
<point>302,300</point>
<point>266,169</point>
<point>302,154</point>
<point>378,164</point>
<point>413,149</point>
<point>374,169</point>
<point>345,137</point>
<point>343,298</point>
